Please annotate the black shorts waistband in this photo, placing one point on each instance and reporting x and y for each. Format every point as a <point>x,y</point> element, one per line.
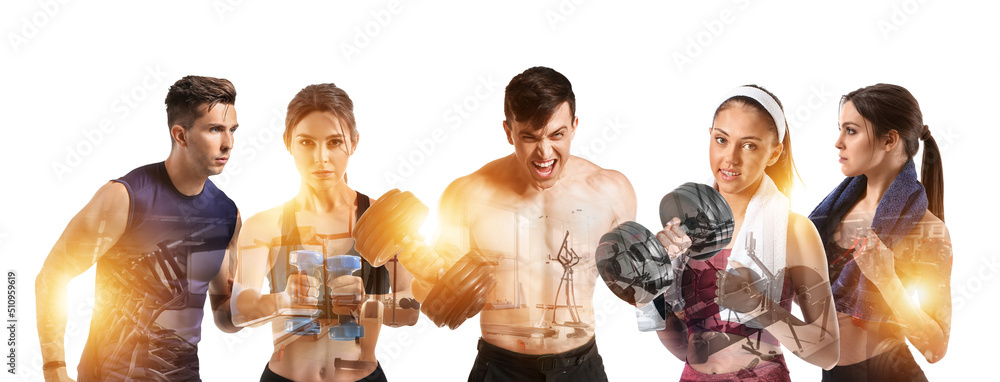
<point>542,362</point>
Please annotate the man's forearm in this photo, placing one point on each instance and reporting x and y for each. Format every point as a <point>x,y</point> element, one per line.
<point>50,311</point>
<point>223,313</point>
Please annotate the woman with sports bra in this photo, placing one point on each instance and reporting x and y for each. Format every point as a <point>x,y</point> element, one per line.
<point>324,302</point>
<point>736,305</point>
<point>888,248</point>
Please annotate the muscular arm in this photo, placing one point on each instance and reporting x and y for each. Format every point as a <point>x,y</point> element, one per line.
<point>94,230</point>
<point>251,263</point>
<point>926,324</point>
<point>220,289</point>
<point>452,210</point>
<point>816,339</point>
<point>622,196</point>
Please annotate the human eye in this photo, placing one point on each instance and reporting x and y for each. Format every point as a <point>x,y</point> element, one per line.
<point>335,142</point>
<point>749,146</point>
<point>851,131</point>
<point>528,138</point>
<point>720,140</point>
<point>305,142</point>
<point>215,129</point>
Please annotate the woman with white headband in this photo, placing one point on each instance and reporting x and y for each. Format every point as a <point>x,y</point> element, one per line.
<point>886,242</point>
<point>736,304</point>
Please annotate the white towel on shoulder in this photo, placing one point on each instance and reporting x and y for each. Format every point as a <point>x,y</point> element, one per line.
<point>765,228</point>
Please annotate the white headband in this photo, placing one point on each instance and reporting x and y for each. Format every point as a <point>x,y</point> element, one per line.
<point>764,100</point>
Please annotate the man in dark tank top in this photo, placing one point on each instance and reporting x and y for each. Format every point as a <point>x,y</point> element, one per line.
<point>160,237</point>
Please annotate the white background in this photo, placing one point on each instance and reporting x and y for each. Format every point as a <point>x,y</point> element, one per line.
<point>66,67</point>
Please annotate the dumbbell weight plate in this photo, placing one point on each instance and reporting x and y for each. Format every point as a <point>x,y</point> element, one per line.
<point>367,225</point>
<point>462,291</point>
<point>705,216</point>
<point>375,222</point>
<point>394,215</point>
<point>472,298</point>
<point>647,241</point>
<point>402,220</point>
<point>629,258</point>
<point>445,302</point>
<point>453,294</point>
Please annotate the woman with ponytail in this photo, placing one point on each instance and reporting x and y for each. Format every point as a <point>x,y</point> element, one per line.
<point>885,239</point>
<point>735,305</point>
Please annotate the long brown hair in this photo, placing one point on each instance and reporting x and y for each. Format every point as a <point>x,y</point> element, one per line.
<point>892,107</point>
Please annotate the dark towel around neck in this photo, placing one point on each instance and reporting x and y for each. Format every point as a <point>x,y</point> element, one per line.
<point>902,206</point>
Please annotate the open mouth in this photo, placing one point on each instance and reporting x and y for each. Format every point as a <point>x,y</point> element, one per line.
<point>729,174</point>
<point>545,168</point>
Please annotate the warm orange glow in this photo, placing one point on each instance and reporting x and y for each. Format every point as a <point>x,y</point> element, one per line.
<point>430,226</point>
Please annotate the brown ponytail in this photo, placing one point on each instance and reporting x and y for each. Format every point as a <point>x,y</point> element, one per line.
<point>783,171</point>
<point>932,175</point>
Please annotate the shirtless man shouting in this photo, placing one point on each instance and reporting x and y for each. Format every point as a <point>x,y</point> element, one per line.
<point>538,215</point>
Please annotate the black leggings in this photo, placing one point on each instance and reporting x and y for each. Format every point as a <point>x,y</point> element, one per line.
<point>896,364</point>
<point>271,376</point>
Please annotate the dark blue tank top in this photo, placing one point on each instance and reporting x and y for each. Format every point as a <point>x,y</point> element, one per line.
<point>152,284</point>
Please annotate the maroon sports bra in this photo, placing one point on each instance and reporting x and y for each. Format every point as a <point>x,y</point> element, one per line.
<point>701,313</point>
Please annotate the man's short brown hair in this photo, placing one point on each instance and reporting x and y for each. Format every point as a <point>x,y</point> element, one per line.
<point>187,95</point>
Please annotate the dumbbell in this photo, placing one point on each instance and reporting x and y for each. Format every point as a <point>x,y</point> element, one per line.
<point>307,264</point>
<point>449,291</point>
<point>705,217</point>
<point>311,264</point>
<point>634,264</point>
<point>347,329</point>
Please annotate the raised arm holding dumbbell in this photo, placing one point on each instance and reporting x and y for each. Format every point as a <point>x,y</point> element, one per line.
<point>734,306</point>
<point>521,233</point>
